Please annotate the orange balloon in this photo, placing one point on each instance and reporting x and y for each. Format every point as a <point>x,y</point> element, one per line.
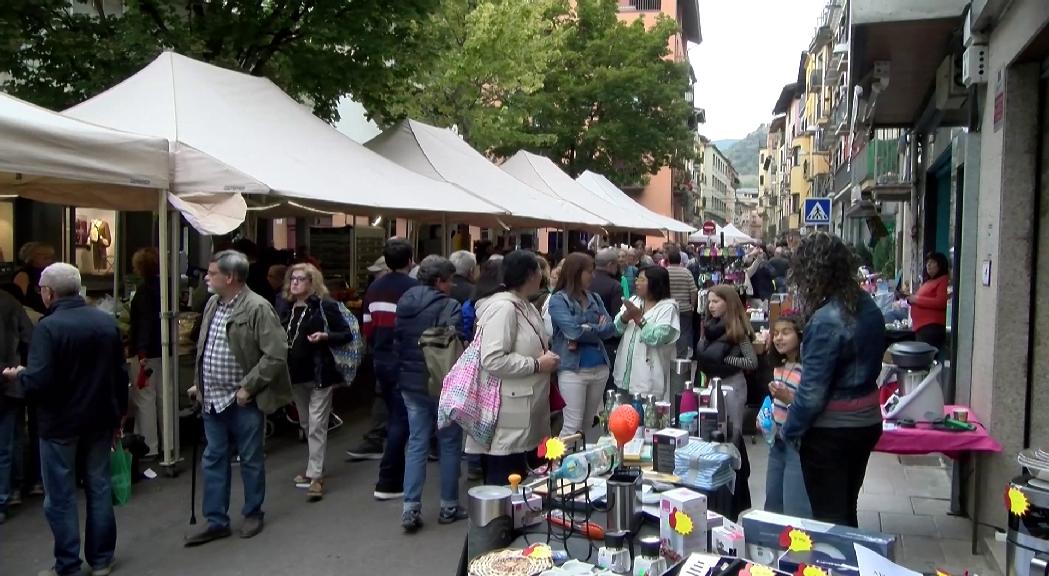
<point>623,423</point>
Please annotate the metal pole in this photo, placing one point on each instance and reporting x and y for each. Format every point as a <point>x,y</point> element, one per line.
<point>444,234</point>
<point>564,241</point>
<point>167,400</point>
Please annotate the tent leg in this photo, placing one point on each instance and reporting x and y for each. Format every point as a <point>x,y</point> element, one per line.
<point>564,241</point>
<point>444,235</point>
<point>167,403</point>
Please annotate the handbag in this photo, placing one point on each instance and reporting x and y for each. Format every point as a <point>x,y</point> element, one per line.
<point>120,473</point>
<point>765,421</point>
<point>470,398</point>
<point>347,356</point>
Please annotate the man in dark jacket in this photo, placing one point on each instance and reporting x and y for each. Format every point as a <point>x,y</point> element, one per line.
<point>465,273</point>
<point>15,331</point>
<point>421,308</point>
<point>779,267</point>
<point>77,377</point>
<point>606,284</point>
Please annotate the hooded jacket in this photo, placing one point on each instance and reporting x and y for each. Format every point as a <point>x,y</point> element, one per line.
<point>421,308</point>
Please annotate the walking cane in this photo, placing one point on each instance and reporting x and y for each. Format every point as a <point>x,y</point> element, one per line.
<point>193,464</point>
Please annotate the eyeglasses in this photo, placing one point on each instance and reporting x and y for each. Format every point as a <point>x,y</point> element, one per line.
<point>300,278</point>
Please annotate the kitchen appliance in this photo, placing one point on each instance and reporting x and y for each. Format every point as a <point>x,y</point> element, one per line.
<point>681,372</point>
<point>623,488</point>
<point>1027,542</point>
<point>919,396</point>
<point>491,519</point>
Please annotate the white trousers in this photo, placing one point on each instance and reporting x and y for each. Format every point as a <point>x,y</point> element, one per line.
<point>583,391</point>
<point>314,407</point>
<point>146,404</point>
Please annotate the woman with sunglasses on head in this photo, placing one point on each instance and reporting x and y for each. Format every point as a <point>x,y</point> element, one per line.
<point>314,325</point>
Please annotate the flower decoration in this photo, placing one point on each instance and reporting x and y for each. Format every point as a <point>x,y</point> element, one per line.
<point>681,522</point>
<point>538,551</point>
<point>795,540</point>
<point>808,570</point>
<point>756,570</point>
<point>1016,502</point>
<point>552,449</point>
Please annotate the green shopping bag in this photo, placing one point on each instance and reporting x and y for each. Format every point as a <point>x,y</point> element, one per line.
<point>120,473</point>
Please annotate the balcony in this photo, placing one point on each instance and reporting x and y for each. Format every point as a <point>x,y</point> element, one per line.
<point>815,79</point>
<point>880,169</point>
<point>641,5</point>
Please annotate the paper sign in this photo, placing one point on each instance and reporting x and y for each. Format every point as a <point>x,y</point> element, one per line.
<point>871,563</point>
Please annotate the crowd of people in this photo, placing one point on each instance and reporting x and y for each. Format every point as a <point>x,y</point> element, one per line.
<point>556,338</point>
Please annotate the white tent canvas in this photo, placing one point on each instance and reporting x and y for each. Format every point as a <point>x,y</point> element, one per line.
<point>541,173</point>
<point>736,235</point>
<point>231,132</point>
<point>440,154</point>
<point>604,187</point>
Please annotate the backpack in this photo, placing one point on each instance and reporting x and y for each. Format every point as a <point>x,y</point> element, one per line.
<point>347,356</point>
<point>441,348</point>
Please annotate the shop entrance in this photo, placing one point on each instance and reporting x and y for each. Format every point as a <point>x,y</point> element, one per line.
<point>1037,433</point>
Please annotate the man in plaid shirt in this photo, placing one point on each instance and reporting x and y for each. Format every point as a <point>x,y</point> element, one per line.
<point>242,375</point>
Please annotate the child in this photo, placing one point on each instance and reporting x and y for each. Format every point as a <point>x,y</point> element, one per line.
<point>785,485</point>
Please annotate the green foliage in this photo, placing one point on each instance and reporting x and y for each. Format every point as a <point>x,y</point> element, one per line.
<point>744,153</point>
<point>316,50</point>
<point>885,256</point>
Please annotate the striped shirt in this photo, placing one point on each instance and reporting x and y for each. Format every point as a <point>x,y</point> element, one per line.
<point>682,287</point>
<point>790,376</point>
<point>221,374</point>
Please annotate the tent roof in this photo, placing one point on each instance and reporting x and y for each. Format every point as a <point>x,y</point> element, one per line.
<point>541,173</point>
<point>604,187</point>
<point>231,132</point>
<point>731,231</point>
<point>442,155</point>
<point>48,157</point>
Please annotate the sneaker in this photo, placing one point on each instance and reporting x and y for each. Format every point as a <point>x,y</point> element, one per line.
<point>411,521</point>
<point>452,514</point>
<point>315,491</point>
<point>103,571</point>
<point>251,527</point>
<point>384,495</point>
<point>16,498</point>
<point>209,534</point>
<point>367,450</point>
<point>301,481</point>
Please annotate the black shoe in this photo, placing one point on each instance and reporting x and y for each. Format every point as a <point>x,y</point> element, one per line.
<point>411,521</point>
<point>366,450</point>
<point>474,474</point>
<point>206,535</point>
<point>251,527</point>
<point>451,515</point>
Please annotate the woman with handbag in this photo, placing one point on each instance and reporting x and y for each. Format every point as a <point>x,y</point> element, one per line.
<point>314,325</point>
<point>725,350</point>
<point>514,349</point>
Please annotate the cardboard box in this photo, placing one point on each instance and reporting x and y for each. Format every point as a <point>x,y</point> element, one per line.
<point>676,546</point>
<point>763,531</point>
<point>728,540</point>
<point>791,561</point>
<point>664,445</point>
<point>714,520</point>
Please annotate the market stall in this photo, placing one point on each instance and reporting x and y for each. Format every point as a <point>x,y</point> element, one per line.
<point>603,187</point>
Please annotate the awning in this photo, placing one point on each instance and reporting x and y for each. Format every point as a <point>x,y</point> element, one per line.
<point>542,174</point>
<point>604,187</point>
<point>440,154</point>
<point>235,133</point>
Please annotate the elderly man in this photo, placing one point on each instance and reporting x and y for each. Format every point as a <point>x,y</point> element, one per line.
<point>465,273</point>
<point>15,331</point>
<point>242,375</point>
<point>683,289</point>
<point>77,377</point>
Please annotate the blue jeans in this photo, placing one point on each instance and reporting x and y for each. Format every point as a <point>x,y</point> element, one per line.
<point>422,418</point>
<point>244,428</point>
<point>785,484</point>
<point>391,467</point>
<point>7,449</point>
<point>58,465</point>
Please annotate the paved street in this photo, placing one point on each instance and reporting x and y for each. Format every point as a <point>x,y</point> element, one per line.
<point>350,533</point>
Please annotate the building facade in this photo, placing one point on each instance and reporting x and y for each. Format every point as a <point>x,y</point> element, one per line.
<point>716,181</point>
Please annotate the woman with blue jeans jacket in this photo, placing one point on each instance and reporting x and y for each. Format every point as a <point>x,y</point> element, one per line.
<point>580,326</point>
<point>835,418</point>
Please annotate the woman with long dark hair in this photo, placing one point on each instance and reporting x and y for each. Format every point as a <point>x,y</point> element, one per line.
<point>650,325</point>
<point>725,350</point>
<point>835,416</point>
<point>929,303</point>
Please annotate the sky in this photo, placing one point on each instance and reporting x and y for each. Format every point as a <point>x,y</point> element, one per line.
<point>750,50</point>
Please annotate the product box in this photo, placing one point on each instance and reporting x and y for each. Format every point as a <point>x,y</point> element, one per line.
<point>792,561</point>
<point>527,511</point>
<point>767,538</point>
<point>728,540</point>
<point>714,520</point>
<point>675,507</point>
<point>664,445</point>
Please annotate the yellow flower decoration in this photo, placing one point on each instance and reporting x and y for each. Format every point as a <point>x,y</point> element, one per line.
<point>1017,502</point>
<point>942,573</point>
<point>761,570</point>
<point>813,571</point>
<point>682,523</point>
<point>800,541</point>
<point>555,449</point>
<point>539,551</point>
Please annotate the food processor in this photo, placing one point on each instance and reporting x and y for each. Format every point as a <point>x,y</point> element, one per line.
<point>920,394</point>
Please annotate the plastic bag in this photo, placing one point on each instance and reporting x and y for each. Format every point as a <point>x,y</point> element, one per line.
<point>766,423</point>
<point>120,474</point>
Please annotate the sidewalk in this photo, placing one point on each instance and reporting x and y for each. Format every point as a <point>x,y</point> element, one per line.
<point>909,497</point>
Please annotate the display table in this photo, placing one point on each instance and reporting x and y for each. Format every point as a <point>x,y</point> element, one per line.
<point>965,447</point>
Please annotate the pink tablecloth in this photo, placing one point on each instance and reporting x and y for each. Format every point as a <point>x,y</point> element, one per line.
<point>924,439</point>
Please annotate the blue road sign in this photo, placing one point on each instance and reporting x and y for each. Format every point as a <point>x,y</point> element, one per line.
<point>816,212</point>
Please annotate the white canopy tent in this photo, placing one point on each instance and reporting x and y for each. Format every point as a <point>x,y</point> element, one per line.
<point>440,154</point>
<point>730,234</point>
<point>231,132</point>
<point>604,187</point>
<point>542,174</point>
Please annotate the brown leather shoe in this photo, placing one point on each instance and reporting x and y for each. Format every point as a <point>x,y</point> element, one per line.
<point>316,491</point>
<point>207,535</point>
<point>251,527</point>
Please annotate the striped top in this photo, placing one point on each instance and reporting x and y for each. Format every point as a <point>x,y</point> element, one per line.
<point>789,375</point>
<point>682,287</point>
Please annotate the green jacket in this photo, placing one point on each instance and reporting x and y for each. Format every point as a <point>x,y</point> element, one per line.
<point>259,344</point>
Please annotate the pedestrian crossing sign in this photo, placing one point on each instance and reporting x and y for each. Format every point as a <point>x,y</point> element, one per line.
<point>817,211</point>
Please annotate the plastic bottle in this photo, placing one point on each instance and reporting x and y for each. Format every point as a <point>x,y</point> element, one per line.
<point>639,404</point>
<point>594,462</point>
<point>651,416</point>
<point>689,401</point>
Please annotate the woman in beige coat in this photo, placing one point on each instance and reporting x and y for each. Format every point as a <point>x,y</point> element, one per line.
<point>514,348</point>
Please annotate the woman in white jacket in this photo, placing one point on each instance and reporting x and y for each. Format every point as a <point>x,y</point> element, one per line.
<point>650,326</point>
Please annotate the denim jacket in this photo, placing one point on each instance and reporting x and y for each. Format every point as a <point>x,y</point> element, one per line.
<point>572,323</point>
<point>840,362</point>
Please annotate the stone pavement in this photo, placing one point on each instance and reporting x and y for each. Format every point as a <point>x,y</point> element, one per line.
<point>350,533</point>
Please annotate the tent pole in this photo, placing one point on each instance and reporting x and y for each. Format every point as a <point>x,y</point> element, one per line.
<point>166,392</point>
<point>564,241</point>
<point>444,234</point>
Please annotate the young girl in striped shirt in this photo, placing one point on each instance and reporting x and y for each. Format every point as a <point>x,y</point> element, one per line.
<point>785,485</point>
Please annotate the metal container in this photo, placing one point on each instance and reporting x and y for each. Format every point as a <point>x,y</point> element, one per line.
<point>1027,542</point>
<point>913,355</point>
<point>487,503</point>
<point>621,499</point>
<point>681,372</point>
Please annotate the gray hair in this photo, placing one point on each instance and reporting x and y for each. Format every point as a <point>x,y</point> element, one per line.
<point>465,262</point>
<point>63,279</point>
<point>233,264</point>
<point>606,257</point>
<point>434,269</point>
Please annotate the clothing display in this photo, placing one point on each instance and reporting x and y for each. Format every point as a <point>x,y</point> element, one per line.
<point>100,239</point>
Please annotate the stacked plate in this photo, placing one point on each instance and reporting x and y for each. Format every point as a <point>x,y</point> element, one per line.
<point>1035,461</point>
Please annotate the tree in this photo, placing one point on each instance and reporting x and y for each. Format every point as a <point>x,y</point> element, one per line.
<point>613,103</point>
<point>476,56</point>
<point>316,50</point>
